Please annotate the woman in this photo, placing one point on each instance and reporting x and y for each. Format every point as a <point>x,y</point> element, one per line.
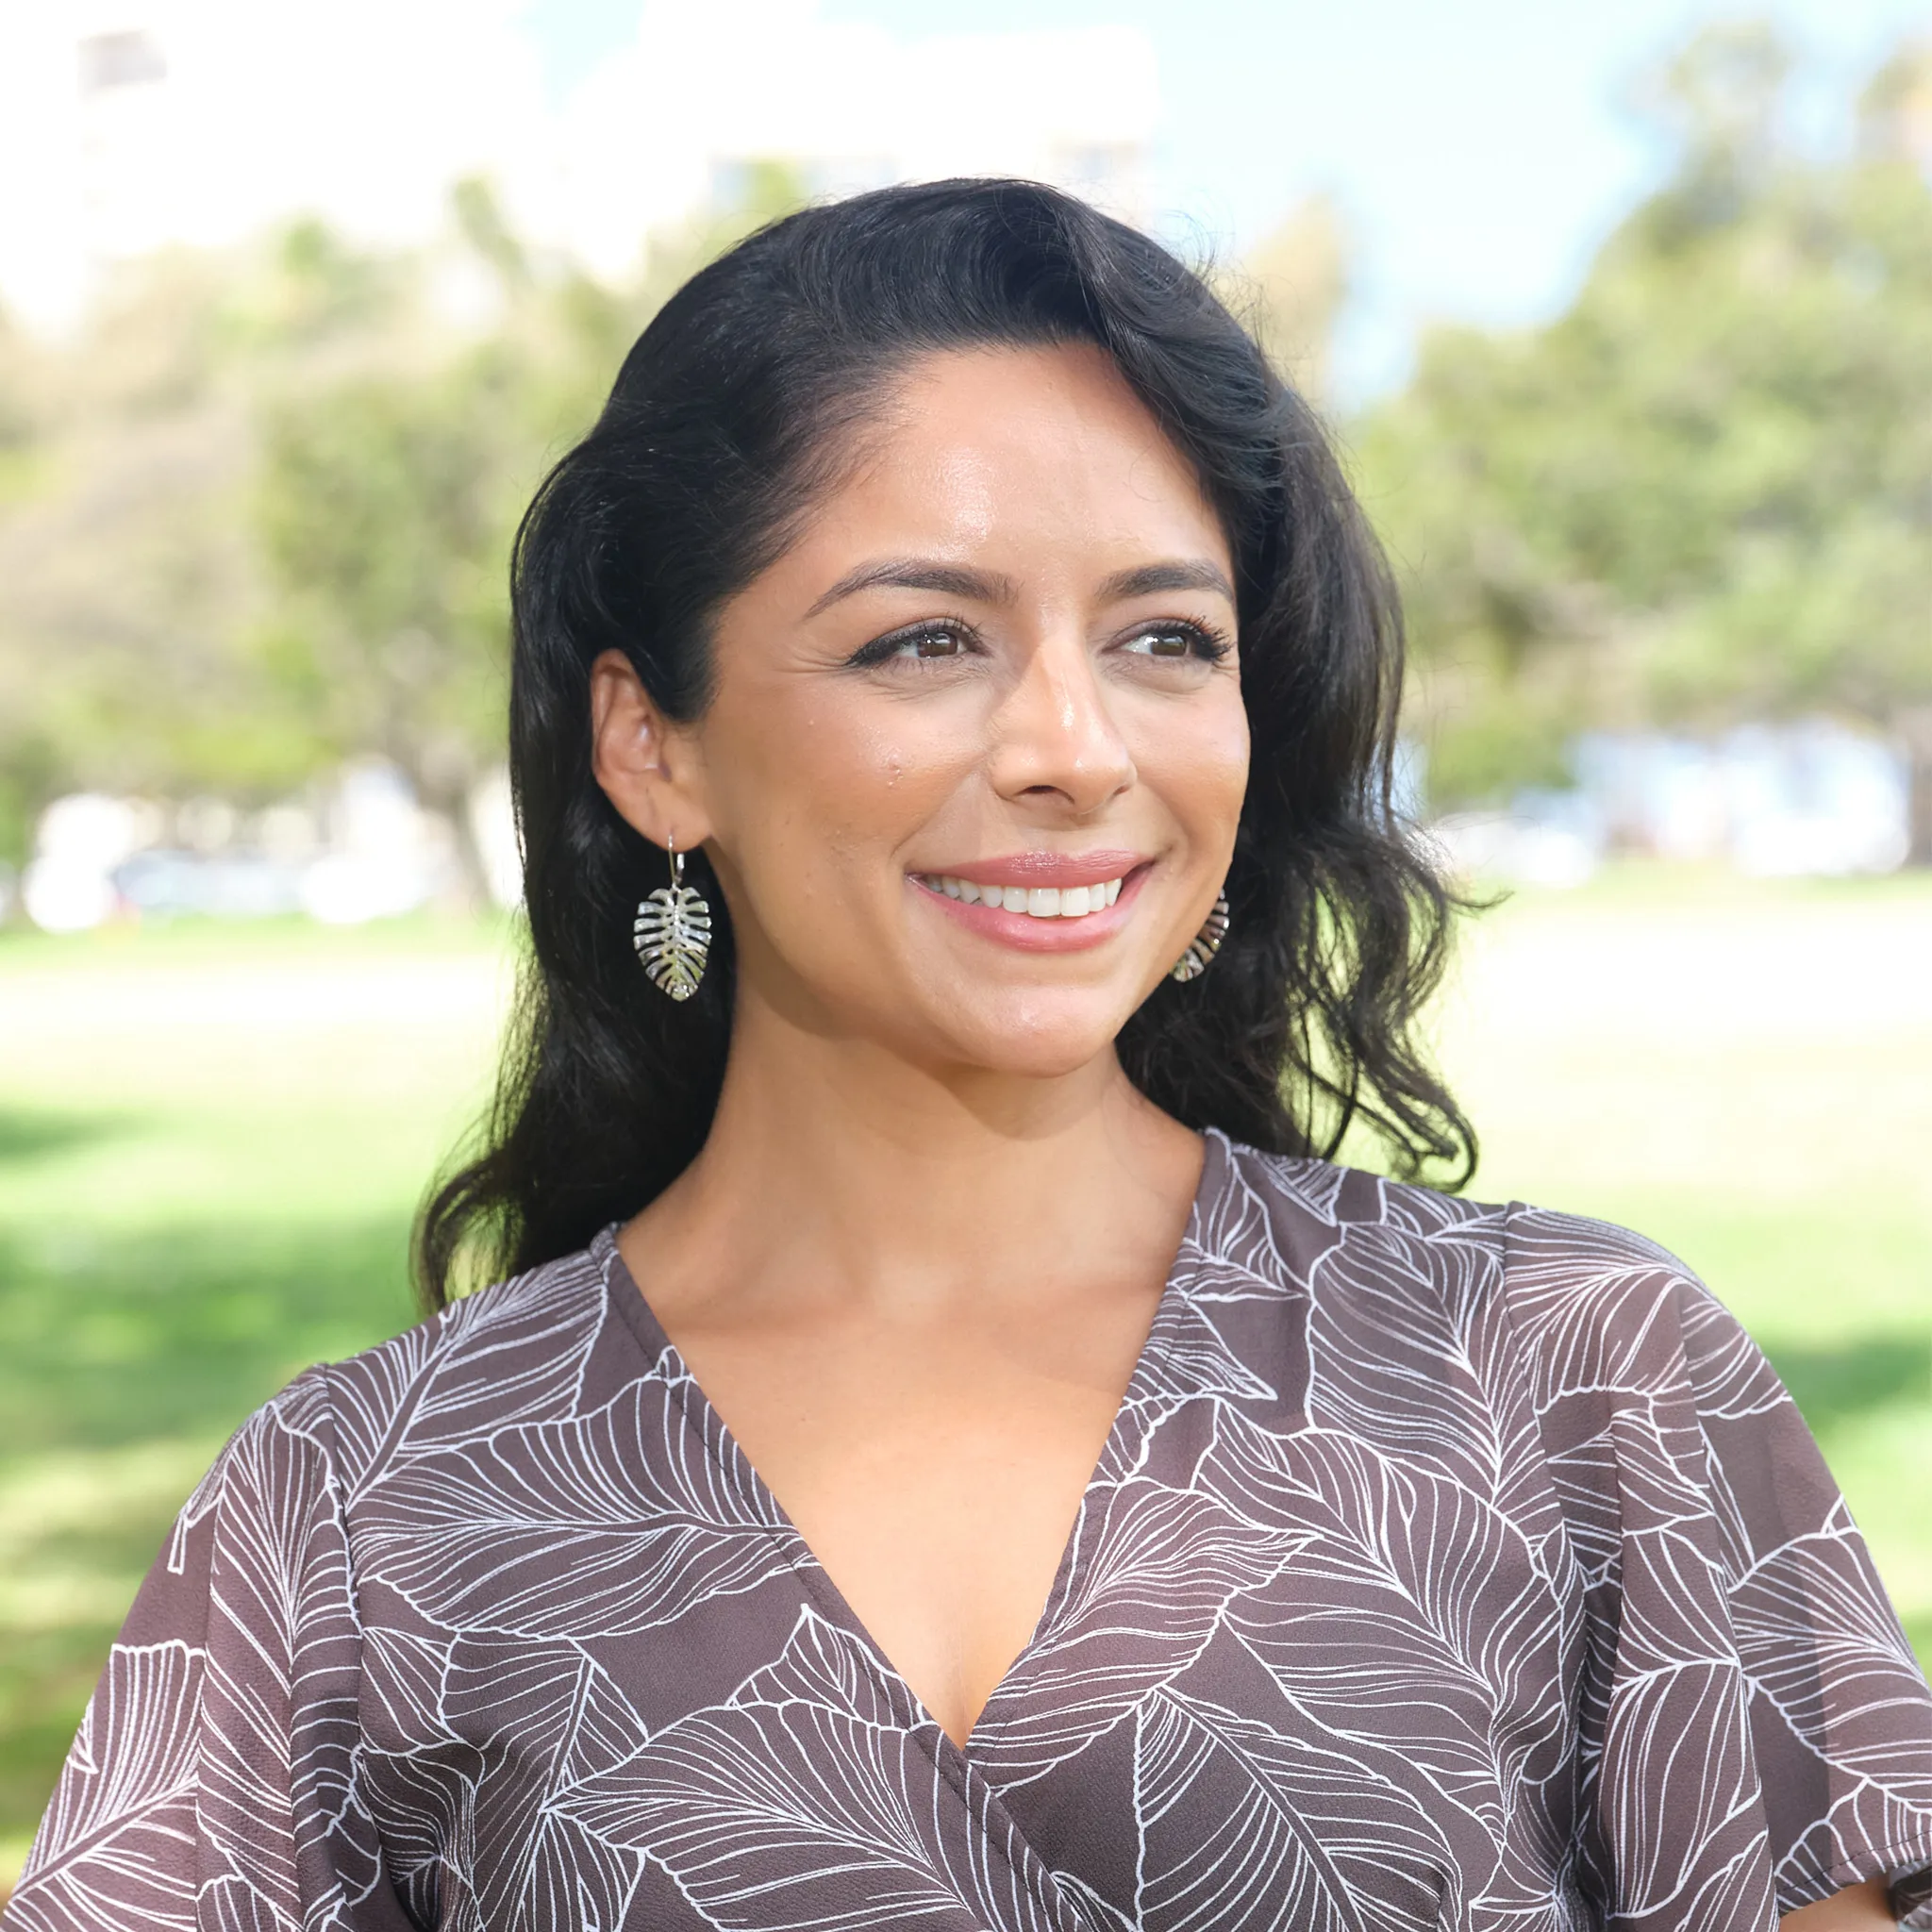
<point>949,1451</point>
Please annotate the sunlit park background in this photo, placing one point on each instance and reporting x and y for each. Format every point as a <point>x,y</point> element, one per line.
<point>1623,316</point>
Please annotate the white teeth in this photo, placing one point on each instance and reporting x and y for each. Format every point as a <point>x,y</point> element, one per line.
<point>1040,902</point>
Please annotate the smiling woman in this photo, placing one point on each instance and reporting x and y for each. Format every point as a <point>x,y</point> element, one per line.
<point>949,1444</point>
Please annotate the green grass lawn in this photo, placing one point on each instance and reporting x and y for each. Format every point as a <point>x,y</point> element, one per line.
<point>211,1141</point>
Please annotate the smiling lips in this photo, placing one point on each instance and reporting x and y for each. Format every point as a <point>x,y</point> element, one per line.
<point>1042,901</point>
<point>1037,902</point>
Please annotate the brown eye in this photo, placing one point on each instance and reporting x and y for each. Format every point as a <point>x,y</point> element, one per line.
<point>1175,641</point>
<point>937,642</point>
<point>1166,643</point>
<point>923,643</point>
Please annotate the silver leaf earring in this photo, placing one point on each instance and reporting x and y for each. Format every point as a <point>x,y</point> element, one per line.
<point>1204,945</point>
<point>672,933</point>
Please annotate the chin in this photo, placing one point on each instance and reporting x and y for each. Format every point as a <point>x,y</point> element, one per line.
<point>1040,1039</point>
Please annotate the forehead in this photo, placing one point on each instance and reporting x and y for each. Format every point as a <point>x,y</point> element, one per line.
<point>1044,451</point>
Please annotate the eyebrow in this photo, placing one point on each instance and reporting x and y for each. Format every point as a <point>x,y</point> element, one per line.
<point>990,586</point>
<point>1192,574</point>
<point>918,573</point>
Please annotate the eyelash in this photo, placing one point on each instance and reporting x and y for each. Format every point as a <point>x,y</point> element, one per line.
<point>1203,643</point>
<point>882,650</point>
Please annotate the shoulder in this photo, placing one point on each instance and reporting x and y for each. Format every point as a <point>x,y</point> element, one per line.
<point>514,1351</point>
<point>1537,1243</point>
<point>1568,1285</point>
<point>1607,1313</point>
<point>1318,1225</point>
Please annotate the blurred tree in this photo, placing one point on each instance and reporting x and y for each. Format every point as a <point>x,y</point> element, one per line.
<point>1895,112</point>
<point>255,516</point>
<point>1297,282</point>
<point>23,756</point>
<point>1705,491</point>
<point>391,456</point>
<point>391,488</point>
<point>125,568</point>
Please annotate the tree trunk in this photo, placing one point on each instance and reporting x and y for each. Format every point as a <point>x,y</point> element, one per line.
<point>1914,727</point>
<point>473,874</point>
<point>443,775</point>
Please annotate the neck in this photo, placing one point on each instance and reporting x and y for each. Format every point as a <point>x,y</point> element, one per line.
<point>837,1165</point>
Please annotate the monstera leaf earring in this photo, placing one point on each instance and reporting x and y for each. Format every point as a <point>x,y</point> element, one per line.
<point>672,933</point>
<point>1204,945</point>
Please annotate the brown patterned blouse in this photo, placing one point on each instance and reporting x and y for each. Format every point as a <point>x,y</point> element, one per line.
<point>1447,1566</point>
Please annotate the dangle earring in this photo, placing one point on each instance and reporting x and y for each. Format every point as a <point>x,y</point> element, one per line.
<point>1204,945</point>
<point>672,933</point>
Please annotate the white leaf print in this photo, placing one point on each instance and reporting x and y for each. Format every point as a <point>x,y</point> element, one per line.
<point>509,1354</point>
<point>402,1686</point>
<point>1447,1564</point>
<point>1670,1608</point>
<point>1242,1826</point>
<point>109,1852</point>
<point>543,1719</point>
<point>1189,1357</point>
<point>282,1635</point>
<point>1186,1360</point>
<point>1600,1307</point>
<point>1231,1252</point>
<point>1101,1914</point>
<point>1677,1784</point>
<point>1408,1342</point>
<point>614,1521</point>
<point>420,1786</point>
<point>1152,1570</point>
<point>1811,1599</point>
<point>1855,1839</point>
<point>809,1801</point>
<point>1733,1379</point>
<point>1412,1613</point>
<point>301,1411</point>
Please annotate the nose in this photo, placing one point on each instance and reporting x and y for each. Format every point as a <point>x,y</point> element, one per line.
<point>1056,739</point>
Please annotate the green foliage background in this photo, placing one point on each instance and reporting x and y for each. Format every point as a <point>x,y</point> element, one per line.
<point>1704,493</point>
<point>255,517</point>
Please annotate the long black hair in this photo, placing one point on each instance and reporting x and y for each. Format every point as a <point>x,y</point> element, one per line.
<point>730,413</point>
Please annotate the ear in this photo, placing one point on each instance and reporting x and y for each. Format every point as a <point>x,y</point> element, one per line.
<point>648,766</point>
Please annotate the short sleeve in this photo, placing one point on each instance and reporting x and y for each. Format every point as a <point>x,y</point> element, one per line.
<point>211,1781</point>
<point>1756,1731</point>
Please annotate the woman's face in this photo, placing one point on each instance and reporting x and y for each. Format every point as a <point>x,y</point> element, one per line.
<point>1002,656</point>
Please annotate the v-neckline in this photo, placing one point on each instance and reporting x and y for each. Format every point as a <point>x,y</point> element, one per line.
<point>635,1309</point>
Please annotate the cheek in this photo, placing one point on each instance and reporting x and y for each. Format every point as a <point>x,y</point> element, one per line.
<point>1200,761</point>
<point>839,777</point>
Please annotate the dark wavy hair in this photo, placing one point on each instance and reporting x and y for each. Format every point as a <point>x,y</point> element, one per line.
<point>731,415</point>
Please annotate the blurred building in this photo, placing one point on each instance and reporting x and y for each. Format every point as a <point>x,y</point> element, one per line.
<point>355,848</point>
<point>1810,799</point>
<point>140,123</point>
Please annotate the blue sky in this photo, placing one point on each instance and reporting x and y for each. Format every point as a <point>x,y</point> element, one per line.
<point>1475,147</point>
